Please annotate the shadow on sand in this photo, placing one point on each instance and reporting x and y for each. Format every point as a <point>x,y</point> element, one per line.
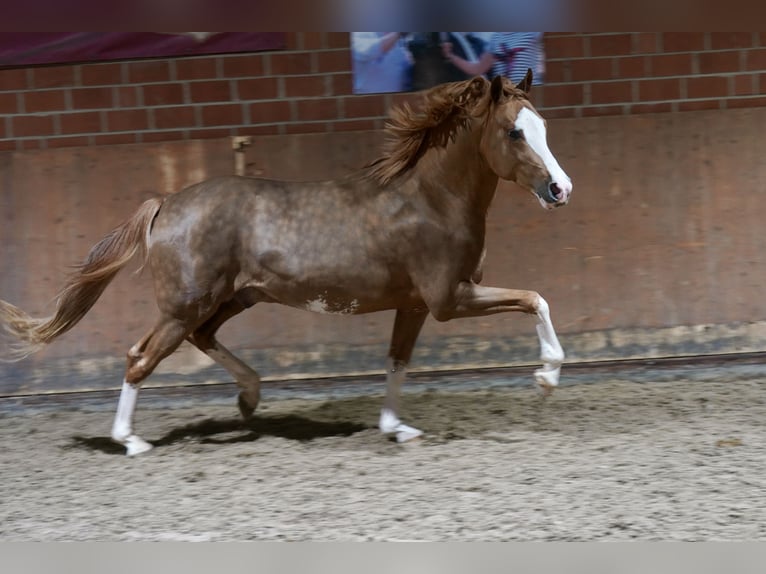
<point>219,431</point>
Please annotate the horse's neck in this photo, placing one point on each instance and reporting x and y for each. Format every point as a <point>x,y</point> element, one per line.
<point>460,172</point>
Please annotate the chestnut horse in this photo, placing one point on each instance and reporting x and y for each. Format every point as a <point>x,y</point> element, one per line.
<point>406,233</point>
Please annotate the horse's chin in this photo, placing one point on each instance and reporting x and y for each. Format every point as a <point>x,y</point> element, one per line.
<point>549,206</point>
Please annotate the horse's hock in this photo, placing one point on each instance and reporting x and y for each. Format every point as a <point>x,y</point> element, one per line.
<point>656,255</point>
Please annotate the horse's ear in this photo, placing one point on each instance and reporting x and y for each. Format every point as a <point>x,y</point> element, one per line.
<point>496,89</point>
<point>526,84</point>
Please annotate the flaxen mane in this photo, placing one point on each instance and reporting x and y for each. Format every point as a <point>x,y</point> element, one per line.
<point>446,109</point>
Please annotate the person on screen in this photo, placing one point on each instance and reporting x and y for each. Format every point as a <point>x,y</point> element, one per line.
<point>509,54</point>
<point>381,62</point>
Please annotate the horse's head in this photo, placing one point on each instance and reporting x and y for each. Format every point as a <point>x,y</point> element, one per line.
<point>514,144</point>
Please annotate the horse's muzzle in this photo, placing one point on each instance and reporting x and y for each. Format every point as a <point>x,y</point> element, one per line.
<point>554,194</point>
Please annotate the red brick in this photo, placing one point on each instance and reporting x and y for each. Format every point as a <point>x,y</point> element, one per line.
<point>270,112</point>
<point>591,69</point>
<point>258,89</point>
<point>44,101</point>
<point>211,133</point>
<point>555,95</point>
<point>743,85</point>
<point>632,67</point>
<point>731,40</point>
<point>305,86</point>
<point>222,115</point>
<point>114,139</point>
<point>695,106</point>
<point>611,45</point>
<point>75,141</point>
<point>101,74</point>
<point>148,71</point>
<point>354,125</point>
<point>335,61</point>
<point>294,40</point>
<point>175,117</point>
<point>163,94</point>
<point>307,128</point>
<point>662,107</point>
<point>707,87</point>
<point>718,62</point>
<point>364,106</point>
<point>645,43</point>
<point>92,98</point>
<point>557,71</point>
<point>649,90</point>
<point>212,91</point>
<point>683,41</point>
<point>317,109</point>
<point>343,84</point>
<point>593,111</point>
<point>24,126</point>
<point>401,98</point>
<point>127,120</point>
<point>127,97</point>
<point>80,122</point>
<point>563,47</point>
<point>314,40</point>
<point>290,64</point>
<point>260,130</point>
<point>8,103</point>
<point>53,76</point>
<point>13,79</point>
<point>7,145</point>
<point>37,143</point>
<point>755,59</point>
<point>559,113</point>
<point>756,102</point>
<point>671,65</point>
<point>196,68</point>
<point>610,92</point>
<point>150,137</point>
<point>338,40</point>
<point>243,66</point>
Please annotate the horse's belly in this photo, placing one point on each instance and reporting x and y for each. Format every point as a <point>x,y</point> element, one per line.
<point>342,295</point>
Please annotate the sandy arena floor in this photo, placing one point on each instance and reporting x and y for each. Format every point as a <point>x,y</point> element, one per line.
<point>612,460</point>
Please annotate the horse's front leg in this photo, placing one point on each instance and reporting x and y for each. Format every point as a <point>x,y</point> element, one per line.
<point>407,327</point>
<point>472,300</point>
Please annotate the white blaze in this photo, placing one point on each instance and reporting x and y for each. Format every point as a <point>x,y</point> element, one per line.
<point>535,135</point>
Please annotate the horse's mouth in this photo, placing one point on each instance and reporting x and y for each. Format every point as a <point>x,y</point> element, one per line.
<point>552,196</point>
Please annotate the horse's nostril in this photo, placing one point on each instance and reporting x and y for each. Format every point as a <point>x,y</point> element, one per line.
<point>555,191</point>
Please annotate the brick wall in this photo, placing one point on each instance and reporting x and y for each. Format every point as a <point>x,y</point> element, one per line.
<point>307,88</point>
<point>633,73</point>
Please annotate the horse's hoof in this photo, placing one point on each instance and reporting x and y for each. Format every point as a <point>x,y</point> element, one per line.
<point>390,424</point>
<point>244,408</point>
<point>547,380</point>
<point>405,433</point>
<point>136,445</point>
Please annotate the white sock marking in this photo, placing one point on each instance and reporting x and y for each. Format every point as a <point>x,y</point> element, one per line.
<point>389,419</point>
<point>551,352</point>
<point>122,429</point>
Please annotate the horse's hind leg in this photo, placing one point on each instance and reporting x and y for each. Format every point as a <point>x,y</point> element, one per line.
<point>143,357</point>
<point>407,327</point>
<point>204,339</point>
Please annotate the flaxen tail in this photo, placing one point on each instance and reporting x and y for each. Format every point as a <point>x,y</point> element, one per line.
<point>82,290</point>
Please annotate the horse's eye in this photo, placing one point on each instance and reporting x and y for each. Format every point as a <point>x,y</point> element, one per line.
<point>515,134</point>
